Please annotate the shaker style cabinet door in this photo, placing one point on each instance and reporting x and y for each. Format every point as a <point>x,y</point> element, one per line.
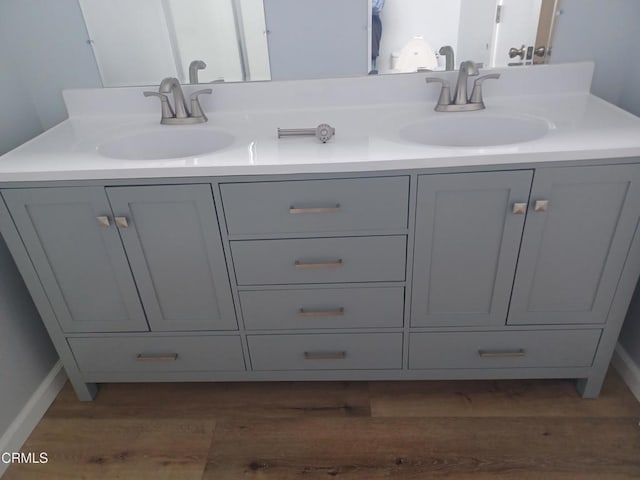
<point>76,250</point>
<point>580,225</point>
<point>172,239</point>
<point>468,232</point>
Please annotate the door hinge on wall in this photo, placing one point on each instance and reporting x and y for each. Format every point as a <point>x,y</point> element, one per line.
<point>498,13</point>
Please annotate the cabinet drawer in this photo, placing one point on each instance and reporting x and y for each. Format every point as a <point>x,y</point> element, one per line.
<point>323,308</point>
<point>322,260</point>
<point>158,354</point>
<point>549,348</point>
<point>326,352</point>
<point>316,205</point>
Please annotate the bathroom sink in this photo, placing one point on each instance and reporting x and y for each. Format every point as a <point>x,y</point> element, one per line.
<point>474,130</point>
<point>166,143</point>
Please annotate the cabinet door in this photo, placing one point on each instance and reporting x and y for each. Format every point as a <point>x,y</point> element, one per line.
<point>171,236</point>
<point>80,260</point>
<point>575,245</point>
<point>467,240</point>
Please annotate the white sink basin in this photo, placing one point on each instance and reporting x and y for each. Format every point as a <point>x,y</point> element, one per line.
<point>474,130</point>
<point>172,142</point>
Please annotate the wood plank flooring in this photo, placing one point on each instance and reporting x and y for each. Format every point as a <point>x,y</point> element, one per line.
<point>476,430</point>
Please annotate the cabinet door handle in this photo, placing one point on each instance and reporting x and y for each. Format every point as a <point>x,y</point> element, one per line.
<point>325,355</point>
<point>103,221</point>
<point>298,210</point>
<point>501,353</point>
<point>302,265</point>
<point>519,208</point>
<point>321,313</point>
<point>166,357</point>
<point>541,206</point>
<point>122,222</point>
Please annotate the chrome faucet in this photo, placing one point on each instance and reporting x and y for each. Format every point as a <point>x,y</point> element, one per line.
<point>467,69</point>
<point>193,70</point>
<point>179,114</point>
<point>172,85</point>
<point>461,101</point>
<point>447,51</point>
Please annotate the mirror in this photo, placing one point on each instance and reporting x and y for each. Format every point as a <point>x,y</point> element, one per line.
<point>141,42</point>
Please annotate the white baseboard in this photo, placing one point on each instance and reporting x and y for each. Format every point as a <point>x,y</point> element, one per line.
<point>22,426</point>
<point>628,369</point>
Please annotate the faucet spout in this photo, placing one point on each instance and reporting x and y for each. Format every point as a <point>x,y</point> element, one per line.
<point>172,85</point>
<point>467,69</point>
<point>182,116</point>
<point>447,51</point>
<point>193,70</point>
<point>461,102</point>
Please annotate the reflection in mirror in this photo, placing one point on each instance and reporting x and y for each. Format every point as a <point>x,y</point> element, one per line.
<point>141,42</point>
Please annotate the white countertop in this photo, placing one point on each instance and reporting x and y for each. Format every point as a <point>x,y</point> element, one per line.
<point>582,127</point>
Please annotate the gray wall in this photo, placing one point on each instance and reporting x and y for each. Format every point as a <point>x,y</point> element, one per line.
<point>26,353</point>
<point>604,31</point>
<point>19,120</point>
<point>607,32</point>
<point>304,49</point>
<point>42,50</point>
<point>50,52</point>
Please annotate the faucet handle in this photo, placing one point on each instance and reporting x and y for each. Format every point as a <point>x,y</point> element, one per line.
<point>445,92</point>
<point>167,111</point>
<point>195,94</point>
<point>476,93</point>
<point>196,109</point>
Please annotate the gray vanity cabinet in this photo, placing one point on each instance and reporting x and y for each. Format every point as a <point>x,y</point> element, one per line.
<point>172,239</point>
<point>79,258</point>
<point>580,225</point>
<point>468,231</point>
<point>522,273</point>
<point>471,233</point>
<point>103,254</point>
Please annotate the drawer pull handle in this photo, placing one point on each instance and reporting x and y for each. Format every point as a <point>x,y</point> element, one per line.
<point>122,222</point>
<point>171,357</point>
<point>103,221</point>
<point>325,355</point>
<point>298,210</point>
<point>501,353</point>
<point>302,265</point>
<point>519,208</point>
<point>541,206</point>
<point>321,313</point>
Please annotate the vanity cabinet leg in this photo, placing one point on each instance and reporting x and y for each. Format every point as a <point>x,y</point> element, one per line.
<point>86,392</point>
<point>590,387</point>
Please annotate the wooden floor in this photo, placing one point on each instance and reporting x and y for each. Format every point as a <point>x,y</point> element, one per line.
<point>476,430</point>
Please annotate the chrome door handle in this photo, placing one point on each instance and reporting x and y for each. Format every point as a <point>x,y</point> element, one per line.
<point>541,206</point>
<point>501,353</point>
<point>167,357</point>
<point>103,221</point>
<point>540,51</point>
<point>517,52</point>
<point>341,355</point>
<point>122,222</point>
<point>519,208</point>
<point>321,313</point>
<point>302,265</point>
<point>293,210</point>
